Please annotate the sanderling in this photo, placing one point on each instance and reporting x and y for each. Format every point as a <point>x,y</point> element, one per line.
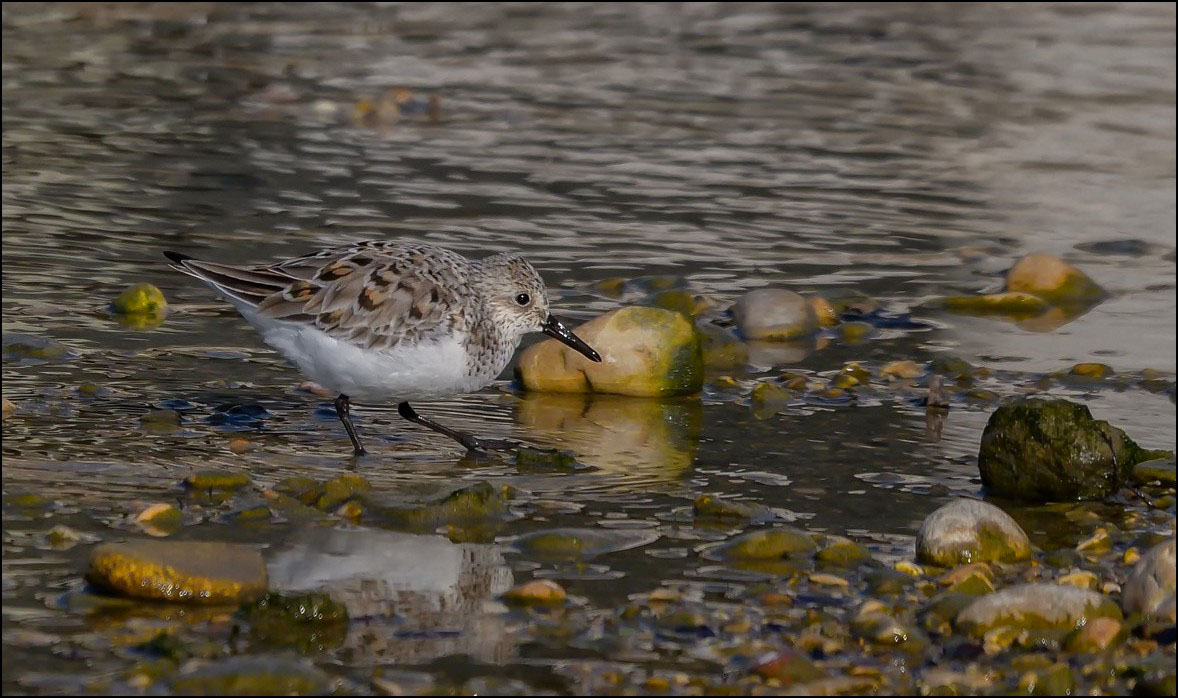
<point>381,321</point>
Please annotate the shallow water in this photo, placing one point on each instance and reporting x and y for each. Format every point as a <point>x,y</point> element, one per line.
<point>902,152</point>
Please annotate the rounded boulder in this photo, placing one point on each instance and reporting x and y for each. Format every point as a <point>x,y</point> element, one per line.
<point>966,531</point>
<point>774,314</point>
<point>645,352</point>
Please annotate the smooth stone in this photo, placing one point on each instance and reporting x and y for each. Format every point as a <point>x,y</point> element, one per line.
<point>774,314</point>
<point>824,311</point>
<point>1151,583</point>
<point>7,406</point>
<point>787,667</point>
<point>645,352</point>
<point>538,592</point>
<point>843,552</point>
<point>140,298</point>
<point>1052,279</point>
<point>1053,450</point>
<point>208,573</point>
<point>901,370</point>
<point>967,530</point>
<point>1036,607</point>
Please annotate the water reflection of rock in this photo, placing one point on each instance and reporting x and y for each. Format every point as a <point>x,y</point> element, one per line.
<point>412,598</point>
<point>646,436</point>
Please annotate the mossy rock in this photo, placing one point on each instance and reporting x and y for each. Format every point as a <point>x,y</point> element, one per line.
<point>140,299</point>
<point>1036,607</point>
<point>1053,280</point>
<point>711,507</point>
<point>207,573</point>
<point>309,623</point>
<point>216,480</point>
<point>680,301</point>
<point>331,494</point>
<point>1013,304</point>
<point>769,544</point>
<point>843,552</point>
<point>965,531</point>
<point>1053,450</point>
<point>476,503</point>
<point>722,350</point>
<point>646,352</point>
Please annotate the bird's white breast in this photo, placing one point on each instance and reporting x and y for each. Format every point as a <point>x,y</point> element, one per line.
<point>408,371</point>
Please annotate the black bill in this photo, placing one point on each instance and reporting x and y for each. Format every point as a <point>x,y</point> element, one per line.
<point>554,328</point>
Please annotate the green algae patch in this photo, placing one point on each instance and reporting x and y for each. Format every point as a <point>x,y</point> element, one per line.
<point>646,352</point>
<point>1036,607</point>
<point>216,480</point>
<point>771,544</point>
<point>308,623</point>
<point>1052,450</point>
<point>191,572</point>
<point>843,552</point>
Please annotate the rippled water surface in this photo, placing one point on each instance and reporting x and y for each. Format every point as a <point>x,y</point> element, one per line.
<point>901,152</point>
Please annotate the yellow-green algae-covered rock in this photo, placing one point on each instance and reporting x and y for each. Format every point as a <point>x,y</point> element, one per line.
<point>1011,303</point>
<point>140,298</point>
<point>645,352</point>
<point>765,545</point>
<point>192,572</point>
<point>1036,606</point>
<point>774,314</point>
<point>1052,279</point>
<point>966,530</point>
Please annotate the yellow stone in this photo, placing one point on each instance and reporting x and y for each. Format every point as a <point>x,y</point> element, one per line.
<point>1080,578</point>
<point>910,568</point>
<point>240,446</point>
<point>1099,542</point>
<point>646,352</point>
<point>1012,303</point>
<point>900,370</point>
<point>824,311</point>
<point>140,299</point>
<point>1092,370</point>
<point>206,573</point>
<point>7,406</point>
<point>544,592</point>
<point>1131,556</point>
<point>828,580</point>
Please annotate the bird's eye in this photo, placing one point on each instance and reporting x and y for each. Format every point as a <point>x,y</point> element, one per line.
<point>523,299</point>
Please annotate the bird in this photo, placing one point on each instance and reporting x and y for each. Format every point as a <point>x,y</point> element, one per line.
<point>379,321</point>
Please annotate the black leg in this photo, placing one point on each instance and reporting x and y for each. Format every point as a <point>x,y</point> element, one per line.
<point>342,409</point>
<point>468,441</point>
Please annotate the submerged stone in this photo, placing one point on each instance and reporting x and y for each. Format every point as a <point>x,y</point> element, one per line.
<point>581,543</point>
<point>966,530</point>
<point>216,480</point>
<point>1155,470</point>
<point>722,350</point>
<point>1051,450</point>
<point>645,352</point>
<point>476,503</point>
<point>774,314</point>
<point>1036,607</point>
<point>309,623</point>
<point>209,573</point>
<point>708,506</point>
